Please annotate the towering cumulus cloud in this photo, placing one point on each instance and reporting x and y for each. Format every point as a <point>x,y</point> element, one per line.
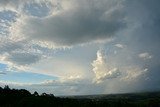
<point>102,70</point>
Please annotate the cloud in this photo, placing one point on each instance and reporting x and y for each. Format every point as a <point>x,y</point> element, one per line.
<point>67,81</point>
<point>67,86</point>
<point>82,23</point>
<point>60,67</point>
<point>145,55</point>
<point>12,84</point>
<point>18,53</point>
<point>119,45</point>
<point>2,73</point>
<point>7,45</point>
<point>102,70</point>
<point>23,58</point>
<point>79,24</point>
<point>30,40</point>
<point>29,37</point>
<point>18,5</point>
<point>134,73</point>
<point>11,5</point>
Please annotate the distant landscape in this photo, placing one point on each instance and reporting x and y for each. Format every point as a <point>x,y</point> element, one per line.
<point>23,98</point>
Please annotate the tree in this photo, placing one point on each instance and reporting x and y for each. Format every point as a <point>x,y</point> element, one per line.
<point>43,94</point>
<point>51,95</point>
<point>1,89</point>
<point>35,93</point>
<point>24,92</point>
<point>6,87</point>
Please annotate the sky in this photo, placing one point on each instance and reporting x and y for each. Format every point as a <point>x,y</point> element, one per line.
<point>80,47</point>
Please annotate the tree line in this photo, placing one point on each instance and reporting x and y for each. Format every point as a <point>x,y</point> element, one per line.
<point>23,98</point>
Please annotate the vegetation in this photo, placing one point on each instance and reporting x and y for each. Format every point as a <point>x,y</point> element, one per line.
<point>23,98</point>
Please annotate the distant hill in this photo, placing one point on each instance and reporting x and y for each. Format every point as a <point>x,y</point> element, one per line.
<point>23,98</point>
<point>138,96</point>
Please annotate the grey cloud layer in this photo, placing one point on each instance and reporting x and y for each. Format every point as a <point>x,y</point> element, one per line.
<point>23,58</point>
<point>142,40</point>
<point>78,25</point>
<point>18,52</point>
<point>85,22</point>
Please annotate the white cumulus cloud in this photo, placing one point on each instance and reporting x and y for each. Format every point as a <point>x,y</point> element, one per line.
<point>145,55</point>
<point>103,70</point>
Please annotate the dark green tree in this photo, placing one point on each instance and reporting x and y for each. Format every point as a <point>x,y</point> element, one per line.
<point>35,93</point>
<point>6,87</point>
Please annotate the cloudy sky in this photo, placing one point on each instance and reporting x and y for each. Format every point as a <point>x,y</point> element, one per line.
<point>77,47</point>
